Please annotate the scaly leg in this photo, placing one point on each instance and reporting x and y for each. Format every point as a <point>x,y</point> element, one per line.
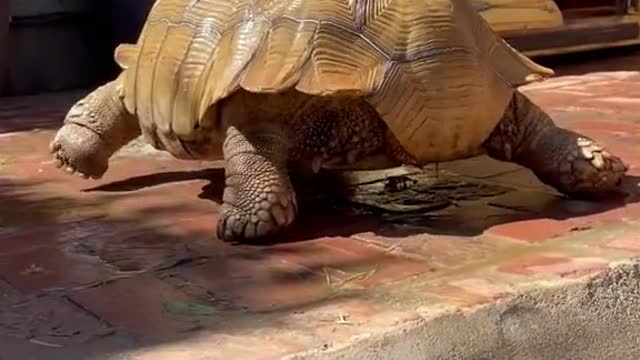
<point>258,197</point>
<point>570,162</point>
<point>94,128</point>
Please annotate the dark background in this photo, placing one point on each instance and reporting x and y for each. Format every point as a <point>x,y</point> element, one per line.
<point>66,47</point>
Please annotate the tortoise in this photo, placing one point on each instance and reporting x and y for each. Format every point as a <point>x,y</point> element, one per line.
<point>276,85</point>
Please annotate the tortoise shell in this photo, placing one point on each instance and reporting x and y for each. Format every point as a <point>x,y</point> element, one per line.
<point>433,69</point>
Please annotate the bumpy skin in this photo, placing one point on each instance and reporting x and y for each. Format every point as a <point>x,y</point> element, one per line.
<point>259,200</point>
<point>572,163</point>
<point>94,128</point>
<point>315,133</point>
<point>258,196</point>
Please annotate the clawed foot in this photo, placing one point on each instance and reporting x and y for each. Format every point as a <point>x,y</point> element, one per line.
<point>264,215</point>
<point>79,151</point>
<point>590,169</point>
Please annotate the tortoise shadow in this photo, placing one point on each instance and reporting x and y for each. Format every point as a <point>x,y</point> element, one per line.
<point>136,183</point>
<point>322,214</point>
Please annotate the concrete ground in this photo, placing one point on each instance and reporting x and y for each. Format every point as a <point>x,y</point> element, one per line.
<point>484,263</point>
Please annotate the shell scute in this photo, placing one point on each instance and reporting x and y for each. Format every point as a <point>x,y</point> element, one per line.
<point>433,69</point>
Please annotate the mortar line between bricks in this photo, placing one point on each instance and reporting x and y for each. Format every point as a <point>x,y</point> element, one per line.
<point>88,311</point>
<point>490,262</point>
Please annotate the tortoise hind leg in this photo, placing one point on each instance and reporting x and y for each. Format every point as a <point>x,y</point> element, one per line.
<point>95,127</point>
<point>258,198</point>
<point>568,161</point>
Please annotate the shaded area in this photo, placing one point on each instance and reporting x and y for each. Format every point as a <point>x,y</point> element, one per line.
<point>447,204</point>
<point>58,268</point>
<point>20,114</point>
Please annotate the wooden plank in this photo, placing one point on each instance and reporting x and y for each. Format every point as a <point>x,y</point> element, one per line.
<point>569,35</point>
<point>507,15</point>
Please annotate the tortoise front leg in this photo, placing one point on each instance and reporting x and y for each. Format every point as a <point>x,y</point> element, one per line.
<point>258,197</point>
<point>572,163</point>
<point>94,128</point>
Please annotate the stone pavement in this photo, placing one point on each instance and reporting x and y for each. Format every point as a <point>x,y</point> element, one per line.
<point>129,267</point>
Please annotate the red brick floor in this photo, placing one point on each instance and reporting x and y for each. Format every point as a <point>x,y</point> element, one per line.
<point>131,264</point>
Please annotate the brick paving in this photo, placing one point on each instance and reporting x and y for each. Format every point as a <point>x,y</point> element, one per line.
<point>131,265</point>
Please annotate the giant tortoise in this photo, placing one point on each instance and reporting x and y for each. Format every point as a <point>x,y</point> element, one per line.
<point>270,84</point>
